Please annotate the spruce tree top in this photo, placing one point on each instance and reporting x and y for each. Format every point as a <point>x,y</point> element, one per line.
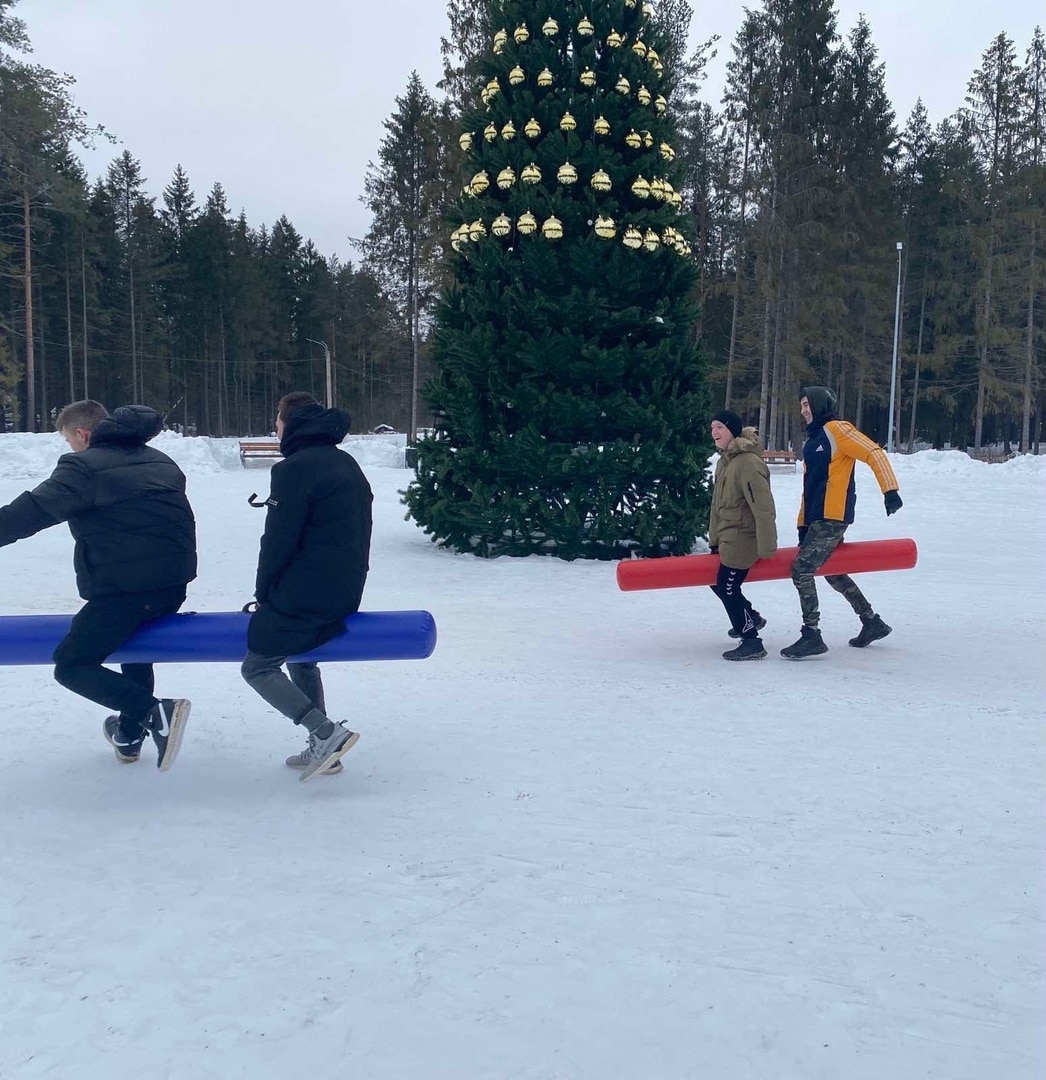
<point>572,137</point>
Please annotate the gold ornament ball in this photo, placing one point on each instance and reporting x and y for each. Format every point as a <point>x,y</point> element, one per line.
<point>667,152</point>
<point>501,225</point>
<point>480,183</point>
<point>477,230</point>
<point>516,76</point>
<point>606,228</point>
<point>633,238</point>
<point>623,86</point>
<point>508,132</point>
<point>651,241</point>
<point>545,78</point>
<point>552,229</point>
<point>639,47</point>
<point>466,140</point>
<point>527,223</point>
<point>585,27</point>
<point>500,41</point>
<point>641,188</point>
<point>531,174</point>
<point>661,103</point>
<point>615,40</point>
<point>551,28</point>
<point>567,174</point>
<point>601,126</point>
<point>568,123</point>
<point>648,139</point>
<point>521,34</point>
<point>643,96</point>
<point>506,178</point>
<point>633,140</point>
<point>490,133</point>
<point>532,129</point>
<point>588,78</point>
<point>601,182</point>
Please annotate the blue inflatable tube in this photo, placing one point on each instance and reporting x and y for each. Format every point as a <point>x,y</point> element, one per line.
<point>221,637</point>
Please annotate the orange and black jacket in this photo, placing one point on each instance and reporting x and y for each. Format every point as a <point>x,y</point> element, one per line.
<point>832,447</point>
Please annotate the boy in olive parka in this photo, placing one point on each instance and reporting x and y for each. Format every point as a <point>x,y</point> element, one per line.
<point>742,527</point>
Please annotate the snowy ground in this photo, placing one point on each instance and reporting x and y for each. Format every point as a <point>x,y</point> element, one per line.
<point>573,844</point>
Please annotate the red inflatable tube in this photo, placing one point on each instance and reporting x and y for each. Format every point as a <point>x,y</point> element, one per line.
<point>684,571</point>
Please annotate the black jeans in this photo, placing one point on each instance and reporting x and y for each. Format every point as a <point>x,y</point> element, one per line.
<point>738,608</point>
<point>98,629</point>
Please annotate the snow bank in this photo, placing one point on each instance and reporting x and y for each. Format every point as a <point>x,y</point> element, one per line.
<point>32,457</point>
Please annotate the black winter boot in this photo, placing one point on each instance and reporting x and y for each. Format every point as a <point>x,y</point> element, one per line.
<point>749,649</point>
<point>872,629</point>
<point>809,644</point>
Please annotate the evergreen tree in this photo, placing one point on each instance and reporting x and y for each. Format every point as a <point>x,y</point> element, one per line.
<point>406,194</point>
<point>1032,221</point>
<point>570,409</point>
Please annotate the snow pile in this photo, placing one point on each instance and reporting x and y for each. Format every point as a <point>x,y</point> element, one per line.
<point>32,457</point>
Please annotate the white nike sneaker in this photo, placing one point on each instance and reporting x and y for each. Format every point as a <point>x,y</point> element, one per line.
<point>166,724</point>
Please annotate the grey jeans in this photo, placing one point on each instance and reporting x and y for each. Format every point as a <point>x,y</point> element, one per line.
<point>294,693</point>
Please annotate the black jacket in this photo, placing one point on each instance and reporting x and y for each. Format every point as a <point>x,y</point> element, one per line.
<point>126,508</point>
<point>316,545</point>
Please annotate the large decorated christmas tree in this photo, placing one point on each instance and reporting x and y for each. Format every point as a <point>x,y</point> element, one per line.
<point>570,410</point>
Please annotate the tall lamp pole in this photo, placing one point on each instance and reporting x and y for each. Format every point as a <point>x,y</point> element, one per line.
<point>327,361</point>
<point>896,341</point>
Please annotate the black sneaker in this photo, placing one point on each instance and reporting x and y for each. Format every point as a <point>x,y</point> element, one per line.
<point>760,622</point>
<point>749,649</point>
<point>127,749</point>
<point>809,644</point>
<point>166,724</point>
<point>872,629</point>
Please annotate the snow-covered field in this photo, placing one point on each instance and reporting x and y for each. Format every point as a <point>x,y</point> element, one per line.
<point>573,844</point>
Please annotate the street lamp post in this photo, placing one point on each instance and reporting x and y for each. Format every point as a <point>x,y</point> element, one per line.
<point>327,362</point>
<point>896,341</point>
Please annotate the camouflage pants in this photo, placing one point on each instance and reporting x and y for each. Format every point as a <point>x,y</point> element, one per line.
<point>822,538</point>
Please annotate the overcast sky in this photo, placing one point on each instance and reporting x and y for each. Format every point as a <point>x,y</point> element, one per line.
<point>283,102</point>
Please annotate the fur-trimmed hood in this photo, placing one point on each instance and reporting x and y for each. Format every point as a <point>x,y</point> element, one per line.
<point>748,442</point>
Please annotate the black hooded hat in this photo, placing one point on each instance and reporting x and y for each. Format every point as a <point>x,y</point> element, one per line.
<point>822,401</point>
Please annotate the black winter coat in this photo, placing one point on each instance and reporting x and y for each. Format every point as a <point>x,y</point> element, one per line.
<point>126,508</point>
<point>316,545</point>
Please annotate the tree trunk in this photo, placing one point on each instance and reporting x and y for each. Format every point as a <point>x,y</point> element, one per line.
<point>1029,351</point>
<point>30,357</point>
<point>982,367</point>
<point>83,295</point>
<point>45,400</point>
<point>739,259</point>
<point>69,329</point>
<point>134,338</point>
<point>918,364</point>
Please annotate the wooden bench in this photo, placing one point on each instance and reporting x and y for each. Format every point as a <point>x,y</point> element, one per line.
<point>258,448</point>
<point>780,457</point>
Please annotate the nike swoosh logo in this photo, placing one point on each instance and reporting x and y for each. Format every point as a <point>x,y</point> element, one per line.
<point>164,727</point>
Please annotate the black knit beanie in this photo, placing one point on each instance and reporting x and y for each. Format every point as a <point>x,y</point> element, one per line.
<point>730,420</point>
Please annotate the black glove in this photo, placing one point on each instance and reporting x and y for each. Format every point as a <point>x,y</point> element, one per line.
<point>714,550</point>
<point>802,534</point>
<point>892,499</point>
<point>250,607</point>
